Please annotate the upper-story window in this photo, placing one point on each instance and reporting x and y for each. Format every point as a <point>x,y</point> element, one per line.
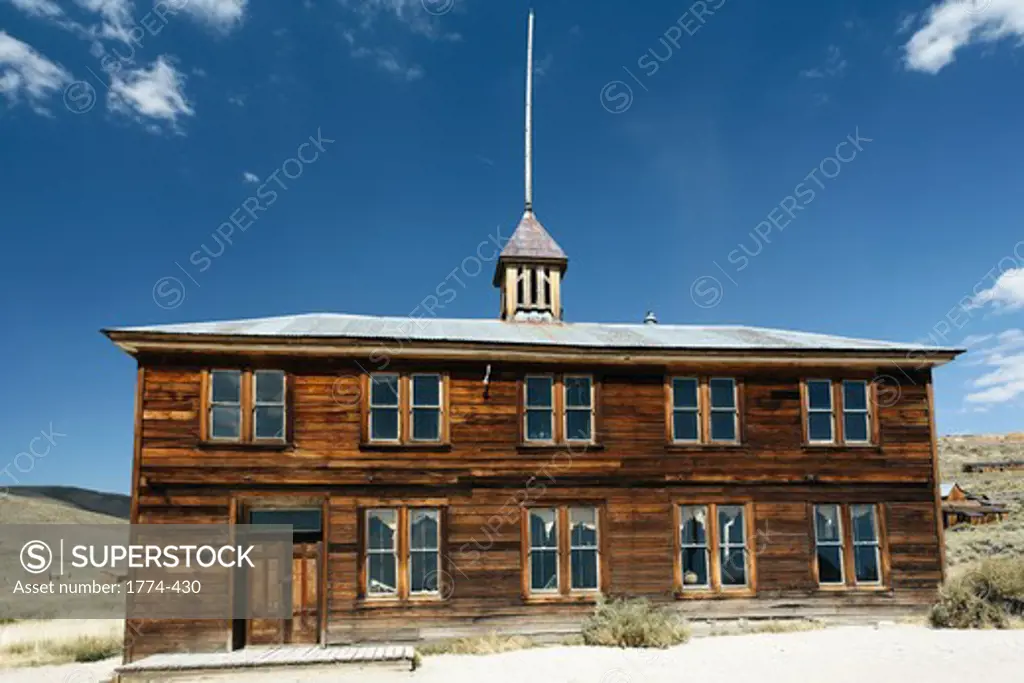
<point>246,406</point>
<point>704,410</point>
<point>838,413</point>
<point>402,409</point>
<point>558,409</point>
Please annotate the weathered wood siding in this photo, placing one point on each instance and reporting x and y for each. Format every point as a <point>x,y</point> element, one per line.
<point>483,478</point>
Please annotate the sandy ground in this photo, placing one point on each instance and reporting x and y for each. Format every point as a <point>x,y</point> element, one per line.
<point>839,655</point>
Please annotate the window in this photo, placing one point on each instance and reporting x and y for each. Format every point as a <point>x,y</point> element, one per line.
<point>402,553</point>
<point>850,399</point>
<point>406,409</point>
<point>704,410</point>
<point>836,549</point>
<point>558,409</point>
<point>562,546</point>
<point>579,407</point>
<point>713,551</point>
<point>245,406</point>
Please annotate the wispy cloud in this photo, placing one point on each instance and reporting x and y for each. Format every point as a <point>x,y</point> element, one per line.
<point>386,59</point>
<point>154,96</point>
<point>412,14</point>
<point>250,177</point>
<point>1007,294</point>
<point>834,65</point>
<point>1004,381</point>
<point>28,76</point>
<point>222,15</point>
<point>39,8</point>
<point>953,24</point>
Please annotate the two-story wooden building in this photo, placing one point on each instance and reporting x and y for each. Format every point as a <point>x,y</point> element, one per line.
<point>446,476</point>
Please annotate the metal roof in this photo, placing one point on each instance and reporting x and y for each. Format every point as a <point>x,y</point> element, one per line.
<point>946,488</point>
<point>555,334</point>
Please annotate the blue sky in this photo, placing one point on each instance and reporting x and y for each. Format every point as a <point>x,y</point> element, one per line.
<point>690,159</point>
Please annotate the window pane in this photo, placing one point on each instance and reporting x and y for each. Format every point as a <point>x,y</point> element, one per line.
<point>583,527</point>
<point>543,570</point>
<point>730,525</point>
<point>382,574</point>
<point>866,560</point>
<point>384,423</point>
<point>723,426</point>
<point>381,525</point>
<point>577,392</point>
<point>423,529</point>
<point>819,426</point>
<point>577,425</point>
<point>830,564</point>
<point>543,530</point>
<point>734,567</point>
<point>227,386</point>
<point>584,568</point>
<point>538,425</point>
<point>863,519</point>
<point>426,390</point>
<point>693,524</point>
<point>684,393</point>
<point>423,572</point>
<point>301,520</point>
<point>684,426</point>
<point>269,386</point>
<point>384,390</point>
<point>426,424</point>
<point>538,391</point>
<point>723,393</point>
<point>269,422</point>
<point>225,421</point>
<point>855,395</point>
<point>855,426</point>
<point>826,523</point>
<point>819,394</point>
<point>695,567</point>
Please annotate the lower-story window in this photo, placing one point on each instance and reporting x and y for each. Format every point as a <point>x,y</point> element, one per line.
<point>713,547</point>
<point>562,548</point>
<point>402,552</point>
<point>848,545</point>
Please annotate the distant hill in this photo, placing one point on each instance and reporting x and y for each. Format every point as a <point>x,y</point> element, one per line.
<point>62,504</point>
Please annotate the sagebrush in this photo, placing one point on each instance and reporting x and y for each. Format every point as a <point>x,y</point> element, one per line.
<point>633,623</point>
<point>988,596</point>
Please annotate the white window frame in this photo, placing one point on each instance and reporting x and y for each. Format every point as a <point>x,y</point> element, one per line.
<point>876,543</point>
<point>735,410</point>
<point>840,543</point>
<point>436,512</point>
<point>596,547</point>
<point>283,405</point>
<point>706,547</point>
<point>831,411</point>
<point>239,405</point>
<point>371,595</point>
<point>866,411</point>
<point>413,406</point>
<point>558,540</point>
<point>695,410</point>
<point>397,407</point>
<point>579,409</point>
<point>526,408</point>
<point>723,544</point>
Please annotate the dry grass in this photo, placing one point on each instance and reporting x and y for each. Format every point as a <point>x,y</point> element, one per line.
<point>633,623</point>
<point>35,643</point>
<point>991,595</point>
<point>490,644</point>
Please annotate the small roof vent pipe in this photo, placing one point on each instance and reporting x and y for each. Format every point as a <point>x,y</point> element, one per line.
<point>650,318</point>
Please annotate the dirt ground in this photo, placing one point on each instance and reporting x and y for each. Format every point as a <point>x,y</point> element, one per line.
<point>838,655</point>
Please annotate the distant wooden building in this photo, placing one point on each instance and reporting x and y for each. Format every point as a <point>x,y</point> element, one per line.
<point>457,476</point>
<point>961,507</point>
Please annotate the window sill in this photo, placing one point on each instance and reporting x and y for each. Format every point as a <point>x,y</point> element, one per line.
<point>247,445</point>
<point>683,447</point>
<point>708,594</point>
<point>369,604</point>
<point>854,589</point>
<point>588,598</point>
<point>572,446</point>
<point>435,447</point>
<point>832,447</point>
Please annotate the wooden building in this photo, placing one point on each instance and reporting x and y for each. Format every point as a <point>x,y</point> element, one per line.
<point>454,476</point>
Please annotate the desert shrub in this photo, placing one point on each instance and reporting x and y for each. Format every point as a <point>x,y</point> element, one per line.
<point>633,623</point>
<point>989,596</point>
<point>490,644</point>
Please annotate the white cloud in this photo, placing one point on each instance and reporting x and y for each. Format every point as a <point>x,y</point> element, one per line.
<point>250,177</point>
<point>27,75</point>
<point>834,65</point>
<point>39,8</point>
<point>222,15</point>
<point>1006,294</point>
<point>154,95</point>
<point>1004,380</point>
<point>411,13</point>
<point>386,59</point>
<point>953,24</point>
